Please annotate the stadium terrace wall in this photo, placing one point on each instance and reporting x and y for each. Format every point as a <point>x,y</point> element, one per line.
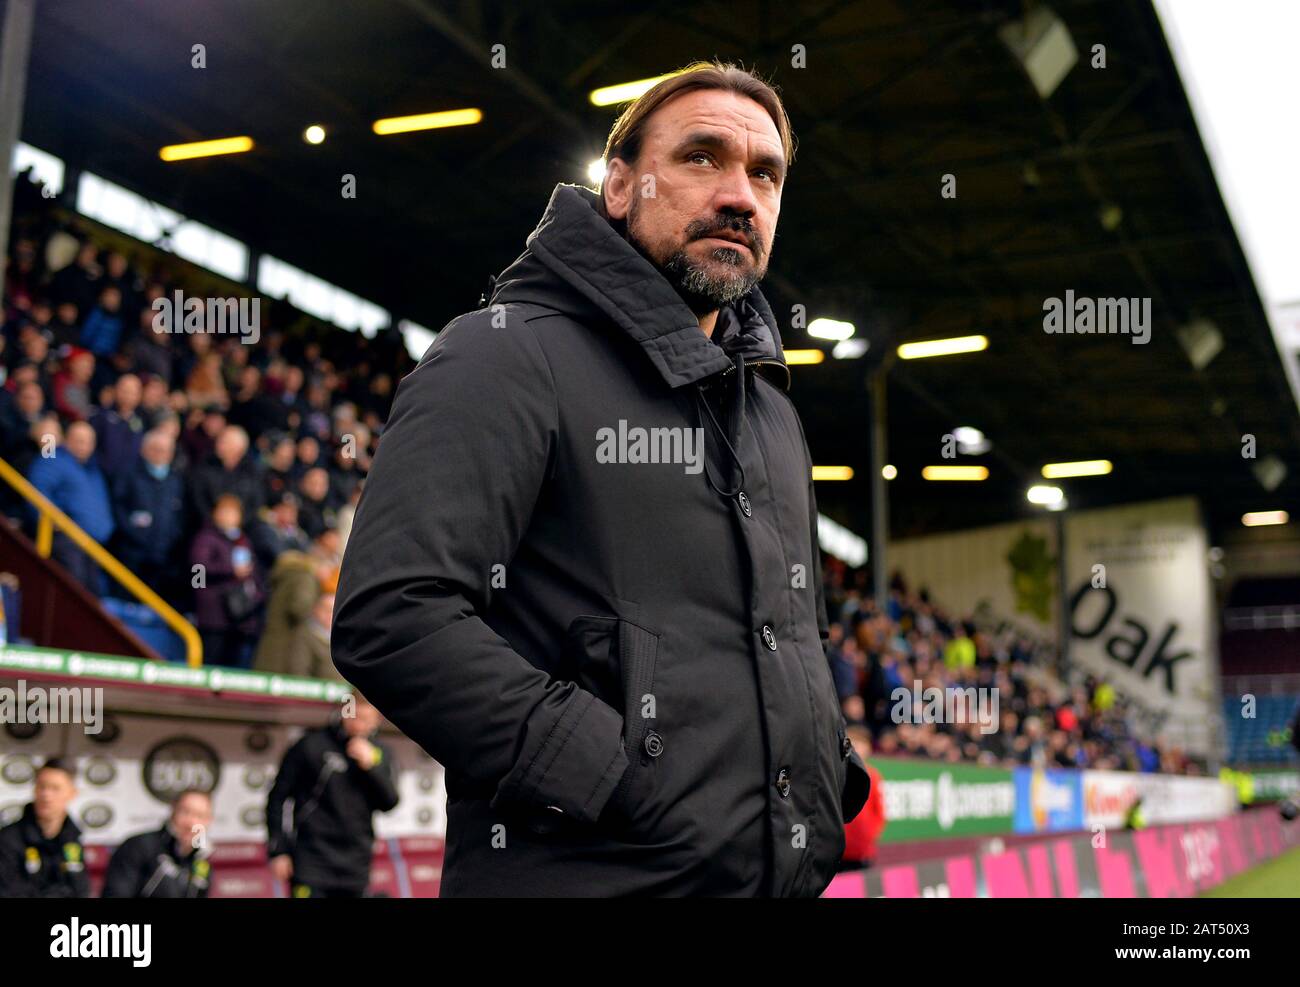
<point>1176,861</point>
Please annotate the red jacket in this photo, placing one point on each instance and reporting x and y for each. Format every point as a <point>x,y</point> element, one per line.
<point>861,834</point>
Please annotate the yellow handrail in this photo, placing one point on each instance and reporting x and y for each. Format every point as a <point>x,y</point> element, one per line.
<point>51,517</point>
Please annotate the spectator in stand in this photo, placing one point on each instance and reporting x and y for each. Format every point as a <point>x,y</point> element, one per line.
<point>296,582</point>
<point>119,428</point>
<point>346,514</point>
<point>66,327</point>
<point>101,332</point>
<point>78,283</point>
<point>71,385</point>
<point>229,470</point>
<point>231,594</point>
<point>862,833</point>
<point>959,653</point>
<point>315,513</point>
<point>350,463</point>
<point>309,647</point>
<point>155,405</point>
<point>149,506</point>
<point>118,273</point>
<point>199,440</point>
<point>150,350</point>
<point>252,408</point>
<point>308,457</point>
<point>278,470</point>
<point>276,531</point>
<point>204,386</point>
<point>20,421</point>
<point>71,480</point>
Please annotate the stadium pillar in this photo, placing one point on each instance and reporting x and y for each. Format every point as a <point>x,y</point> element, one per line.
<point>879,485</point>
<point>15,47</point>
<point>1063,615</point>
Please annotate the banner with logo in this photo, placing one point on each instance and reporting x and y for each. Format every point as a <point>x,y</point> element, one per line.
<point>1048,800</point>
<point>1108,796</point>
<point>926,799</point>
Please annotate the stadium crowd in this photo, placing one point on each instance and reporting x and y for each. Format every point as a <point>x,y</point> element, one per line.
<point>222,469</point>
<point>883,661</point>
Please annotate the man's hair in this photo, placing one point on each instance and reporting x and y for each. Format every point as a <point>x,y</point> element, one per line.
<point>58,764</point>
<point>629,129</point>
<point>190,791</point>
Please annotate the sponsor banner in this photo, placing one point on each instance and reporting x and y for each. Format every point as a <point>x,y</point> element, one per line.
<point>1108,796</point>
<point>1270,786</point>
<point>1048,800</point>
<point>1140,606</point>
<point>1175,861</point>
<point>137,671</point>
<point>925,799</point>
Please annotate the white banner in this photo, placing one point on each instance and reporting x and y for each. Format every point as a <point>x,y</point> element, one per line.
<point>1141,614</point>
<point>1108,796</point>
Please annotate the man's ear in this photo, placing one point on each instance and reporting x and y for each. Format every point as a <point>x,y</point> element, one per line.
<point>617,188</point>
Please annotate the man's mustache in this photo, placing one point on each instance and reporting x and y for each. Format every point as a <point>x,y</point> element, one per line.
<point>736,226</point>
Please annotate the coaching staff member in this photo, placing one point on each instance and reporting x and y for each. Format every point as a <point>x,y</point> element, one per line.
<point>171,862</point>
<point>336,778</point>
<point>617,659</point>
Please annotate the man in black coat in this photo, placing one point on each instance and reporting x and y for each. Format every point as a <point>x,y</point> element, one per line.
<point>584,572</point>
<point>149,508</point>
<point>171,862</point>
<point>337,778</point>
<point>41,854</point>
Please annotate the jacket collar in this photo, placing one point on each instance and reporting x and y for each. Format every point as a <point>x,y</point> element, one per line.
<point>604,275</point>
<point>70,833</point>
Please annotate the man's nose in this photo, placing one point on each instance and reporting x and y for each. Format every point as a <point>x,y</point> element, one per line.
<point>734,194</point>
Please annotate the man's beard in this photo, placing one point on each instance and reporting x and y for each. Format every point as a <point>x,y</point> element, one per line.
<point>701,287</point>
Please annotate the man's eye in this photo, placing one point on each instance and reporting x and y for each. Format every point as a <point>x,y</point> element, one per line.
<point>769,173</point>
<point>698,156</point>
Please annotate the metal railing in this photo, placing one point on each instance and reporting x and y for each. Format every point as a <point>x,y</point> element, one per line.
<point>50,518</point>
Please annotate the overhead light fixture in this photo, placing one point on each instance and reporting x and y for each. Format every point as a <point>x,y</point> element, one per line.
<point>830,329</point>
<point>1201,340</point>
<point>428,121</point>
<point>596,171</point>
<point>1045,495</point>
<point>1086,467</point>
<point>942,347</point>
<point>832,472</point>
<point>315,134</point>
<point>625,92</point>
<point>1270,472</point>
<point>850,349</point>
<point>1042,44</point>
<point>206,149</point>
<point>955,473</point>
<point>794,358</point>
<point>971,441</point>
<point>1257,519</point>
<point>889,471</point>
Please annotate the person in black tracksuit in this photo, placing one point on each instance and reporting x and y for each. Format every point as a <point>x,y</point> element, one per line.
<point>171,862</point>
<point>337,777</point>
<point>41,854</point>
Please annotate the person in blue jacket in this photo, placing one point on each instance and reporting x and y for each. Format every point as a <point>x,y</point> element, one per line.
<point>73,482</point>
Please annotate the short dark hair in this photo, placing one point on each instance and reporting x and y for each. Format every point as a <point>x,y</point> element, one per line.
<point>58,764</point>
<point>191,791</point>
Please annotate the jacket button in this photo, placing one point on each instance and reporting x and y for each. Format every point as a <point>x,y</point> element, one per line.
<point>783,782</point>
<point>769,638</point>
<point>743,500</point>
<point>846,747</point>
<point>654,744</point>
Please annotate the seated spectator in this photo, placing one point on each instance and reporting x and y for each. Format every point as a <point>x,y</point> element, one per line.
<point>295,584</point>
<point>150,351</point>
<point>278,470</point>
<point>71,480</point>
<point>149,506</point>
<point>315,513</point>
<point>276,531</point>
<point>252,408</point>
<point>78,283</point>
<point>101,332</point>
<point>119,428</point>
<point>231,593</point>
<point>66,327</point>
<point>199,439</point>
<point>71,385</point>
<point>229,470</point>
<point>204,385</point>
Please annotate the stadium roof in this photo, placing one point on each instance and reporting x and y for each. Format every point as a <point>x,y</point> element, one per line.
<point>1102,188</point>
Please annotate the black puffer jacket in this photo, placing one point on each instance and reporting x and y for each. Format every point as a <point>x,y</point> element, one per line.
<point>619,660</point>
